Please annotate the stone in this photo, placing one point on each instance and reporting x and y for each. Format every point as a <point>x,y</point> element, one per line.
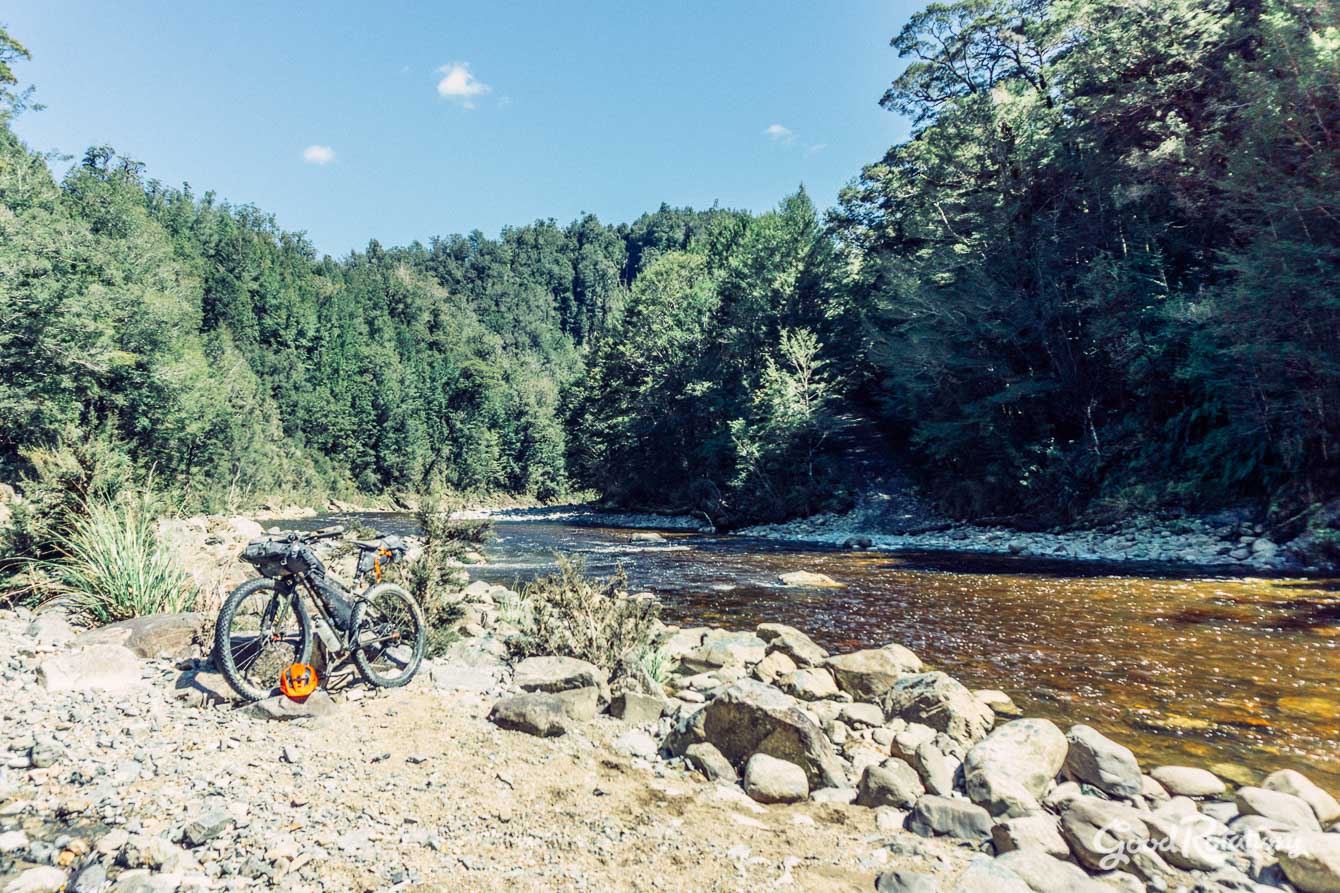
<point>51,627</point>
<point>861,716</point>
<point>1099,761</point>
<point>941,702</point>
<point>710,762</point>
<point>1000,703</point>
<point>1188,781</point>
<point>13,841</point>
<point>148,851</point>
<point>770,780</point>
<point>1311,862</point>
<point>108,668</point>
<point>748,717</point>
<point>151,636</point>
<point>1040,832</point>
<point>867,675</point>
<point>1182,844</point>
<point>834,795</point>
<point>934,768</point>
<point>91,878</point>
<point>202,688</point>
<point>727,649</point>
<point>535,713</point>
<point>43,879</point>
<point>1009,771</point>
<point>1277,805</point>
<point>809,684</point>
<point>792,643</point>
<point>580,704</point>
<point>773,666</point>
<point>892,783</point>
<point>636,708</point>
<point>984,874</point>
<point>1047,873</point>
<point>808,580</point>
<point>1287,781</point>
<point>906,882</point>
<point>935,816</point>
<point>1098,831</point>
<point>636,743</point>
<point>206,827</point>
<point>455,677</point>
<point>281,708</point>
<point>906,740</point>
<point>553,674</point>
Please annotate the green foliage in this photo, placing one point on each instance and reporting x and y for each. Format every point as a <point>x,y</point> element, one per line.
<point>570,614</point>
<point>112,565</point>
<point>1105,265</point>
<point>64,481</point>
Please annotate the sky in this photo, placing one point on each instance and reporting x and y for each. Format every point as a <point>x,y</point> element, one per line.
<point>405,120</point>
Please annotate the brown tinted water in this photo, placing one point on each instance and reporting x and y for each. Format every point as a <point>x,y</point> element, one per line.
<point>1188,669</point>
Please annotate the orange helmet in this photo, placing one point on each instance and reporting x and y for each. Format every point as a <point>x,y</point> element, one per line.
<point>297,681</point>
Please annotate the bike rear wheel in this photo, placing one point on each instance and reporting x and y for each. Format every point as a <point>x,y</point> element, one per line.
<point>260,631</point>
<point>389,635</point>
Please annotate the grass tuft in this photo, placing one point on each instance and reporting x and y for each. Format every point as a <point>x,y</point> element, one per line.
<point>112,565</point>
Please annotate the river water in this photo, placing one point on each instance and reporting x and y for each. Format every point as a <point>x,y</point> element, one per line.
<point>1182,668</point>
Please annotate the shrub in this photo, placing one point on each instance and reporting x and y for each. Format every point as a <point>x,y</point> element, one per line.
<point>112,565</point>
<point>64,479</point>
<point>573,615</point>
<point>436,570</point>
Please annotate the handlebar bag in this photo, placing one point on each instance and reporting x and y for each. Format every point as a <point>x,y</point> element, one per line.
<point>268,557</point>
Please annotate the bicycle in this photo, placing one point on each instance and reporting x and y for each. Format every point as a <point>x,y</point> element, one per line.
<point>264,627</point>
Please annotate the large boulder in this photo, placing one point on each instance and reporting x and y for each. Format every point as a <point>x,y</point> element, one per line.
<point>941,702</point>
<point>892,783</point>
<point>809,684</point>
<point>1045,873</point>
<point>770,780</point>
<point>1188,781</point>
<point>151,636</point>
<point>1009,771</point>
<point>867,675</point>
<point>51,627</point>
<point>1311,862</point>
<point>1277,806</point>
<point>791,642</point>
<point>1097,760</point>
<point>540,714</point>
<point>710,762</point>
<point>935,816</point>
<point>110,668</point>
<point>550,674</point>
<point>773,666</point>
<point>1101,832</point>
<point>906,882</point>
<point>749,717</point>
<point>1287,781</point>
<point>1182,843</point>
<point>1040,832</point>
<point>984,873</point>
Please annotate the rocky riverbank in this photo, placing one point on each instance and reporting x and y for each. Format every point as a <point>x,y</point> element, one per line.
<point>744,760</point>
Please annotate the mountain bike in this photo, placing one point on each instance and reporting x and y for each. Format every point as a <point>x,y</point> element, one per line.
<point>264,625</point>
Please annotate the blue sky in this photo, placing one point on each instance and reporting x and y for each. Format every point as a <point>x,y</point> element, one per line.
<point>402,120</point>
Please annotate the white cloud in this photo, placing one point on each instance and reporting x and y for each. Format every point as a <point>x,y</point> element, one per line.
<point>816,148</point>
<point>318,155</point>
<point>460,85</point>
<point>779,134</point>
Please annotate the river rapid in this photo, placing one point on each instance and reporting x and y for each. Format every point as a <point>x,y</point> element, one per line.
<point>1238,674</point>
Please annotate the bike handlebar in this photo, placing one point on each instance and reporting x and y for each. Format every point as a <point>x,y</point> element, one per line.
<point>323,534</point>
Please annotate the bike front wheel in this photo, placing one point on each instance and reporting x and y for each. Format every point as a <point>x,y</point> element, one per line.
<point>260,631</point>
<point>389,635</point>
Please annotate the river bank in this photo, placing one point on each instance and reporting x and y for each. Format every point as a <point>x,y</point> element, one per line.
<point>750,759</point>
<point>1224,546</point>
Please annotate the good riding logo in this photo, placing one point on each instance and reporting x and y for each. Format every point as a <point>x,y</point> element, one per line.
<point>1119,840</point>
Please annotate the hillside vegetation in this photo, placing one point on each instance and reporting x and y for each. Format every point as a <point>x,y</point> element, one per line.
<point>1101,276</point>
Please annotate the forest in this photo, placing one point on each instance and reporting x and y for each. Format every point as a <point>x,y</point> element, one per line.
<point>1101,276</point>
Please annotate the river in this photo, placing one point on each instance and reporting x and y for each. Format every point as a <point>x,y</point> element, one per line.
<point>1182,668</point>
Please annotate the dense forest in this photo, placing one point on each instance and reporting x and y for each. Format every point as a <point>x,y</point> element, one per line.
<point>1102,275</point>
